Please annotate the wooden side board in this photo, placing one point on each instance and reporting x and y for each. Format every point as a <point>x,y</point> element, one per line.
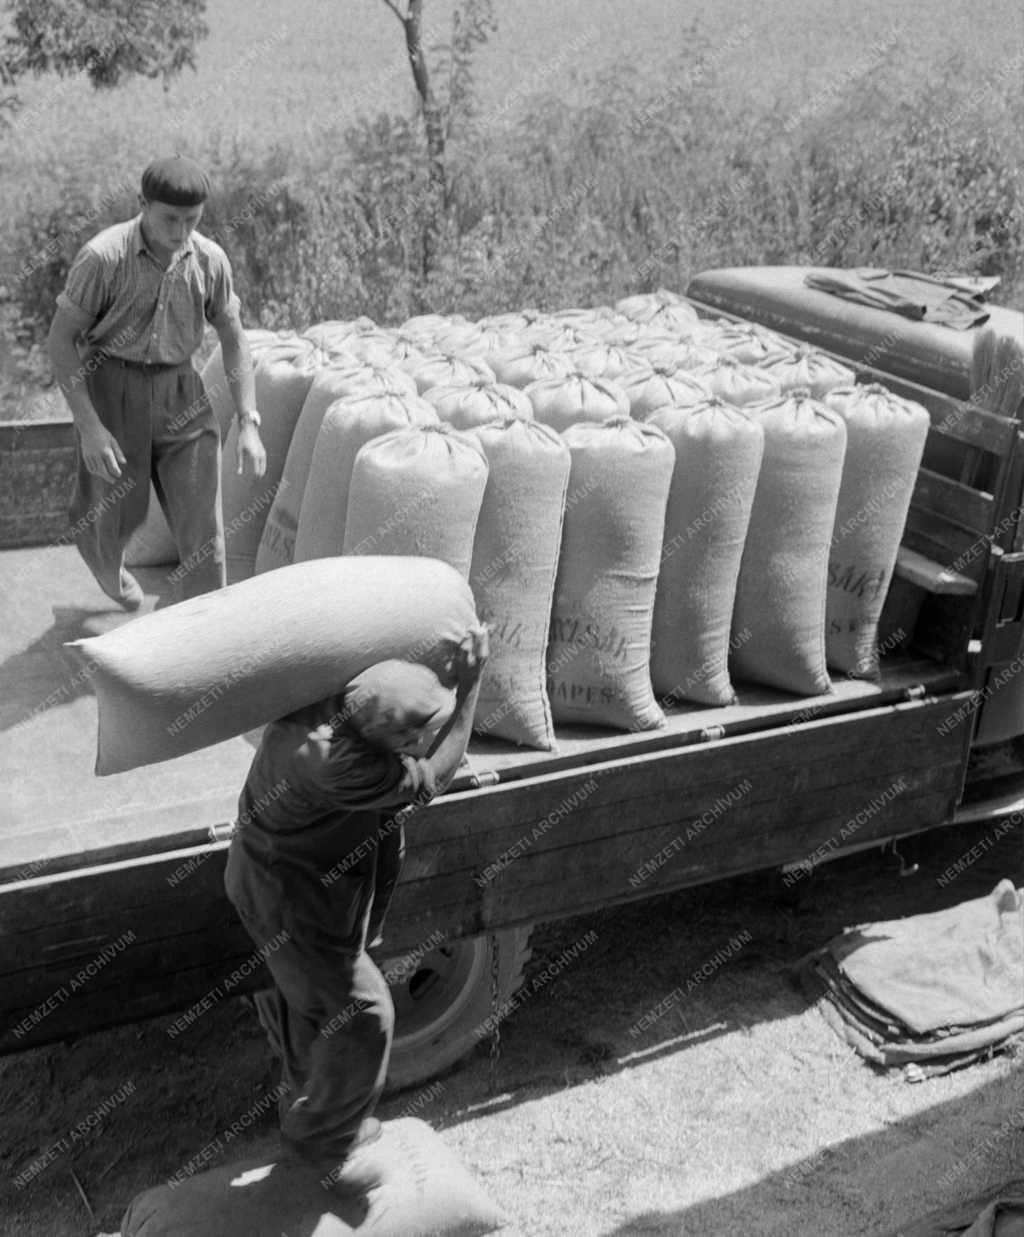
<point>155,934</point>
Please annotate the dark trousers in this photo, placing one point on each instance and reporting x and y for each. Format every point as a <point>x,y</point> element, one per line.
<point>163,423</point>
<point>330,1017</point>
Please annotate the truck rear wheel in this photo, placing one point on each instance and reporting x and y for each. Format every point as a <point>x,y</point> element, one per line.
<point>441,1005</point>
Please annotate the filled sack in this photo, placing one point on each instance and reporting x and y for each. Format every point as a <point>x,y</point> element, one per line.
<point>662,309</point>
<point>216,666</point>
<point>417,491</point>
<point>666,352</point>
<point>603,360</point>
<point>336,331</point>
<point>218,392</point>
<point>355,380</point>
<point>515,558</point>
<point>738,383</point>
<point>561,402</point>
<point>664,387</point>
<point>347,426</point>
<point>529,363</point>
<point>779,617</point>
<point>442,370</point>
<point>424,1192</point>
<point>152,544</point>
<point>283,374</point>
<point>748,342</point>
<point>600,641</point>
<point>467,405</point>
<point>807,367</point>
<point>718,457</point>
<point>885,440</point>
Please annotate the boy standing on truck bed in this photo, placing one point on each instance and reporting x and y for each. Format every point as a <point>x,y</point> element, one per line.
<point>138,294</point>
<point>311,872</point>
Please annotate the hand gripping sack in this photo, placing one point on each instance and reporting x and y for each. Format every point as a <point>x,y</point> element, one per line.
<point>600,642</point>
<point>561,402</point>
<point>885,439</point>
<point>476,403</point>
<point>718,457</point>
<point>515,557</point>
<point>417,491</point>
<point>809,368</point>
<point>284,373</point>
<point>347,427</point>
<point>665,387</point>
<point>779,619</point>
<point>738,383</point>
<point>216,666</point>
<point>424,1191</point>
<point>355,380</point>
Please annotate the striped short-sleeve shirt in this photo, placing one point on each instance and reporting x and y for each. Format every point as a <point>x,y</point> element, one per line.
<point>140,310</point>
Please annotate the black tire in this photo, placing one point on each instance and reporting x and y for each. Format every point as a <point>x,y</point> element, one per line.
<point>442,1005</point>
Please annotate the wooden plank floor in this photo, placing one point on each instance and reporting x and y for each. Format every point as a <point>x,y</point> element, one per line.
<point>55,814</point>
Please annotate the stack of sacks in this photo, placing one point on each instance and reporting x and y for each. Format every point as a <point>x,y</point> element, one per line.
<point>178,679</point>
<point>807,367</point>
<point>515,557</point>
<point>779,618</point>
<point>664,387</point>
<point>600,648</point>
<point>417,492</point>
<point>529,363</point>
<point>510,321</point>
<point>477,403</point>
<point>354,380</point>
<point>929,993</point>
<point>490,340</point>
<point>565,401</point>
<point>444,371</point>
<point>461,339</point>
<point>347,427</point>
<point>885,439</point>
<point>337,331</point>
<point>372,347</point>
<point>284,373</point>
<point>430,325</point>
<point>718,458</point>
<point>737,383</point>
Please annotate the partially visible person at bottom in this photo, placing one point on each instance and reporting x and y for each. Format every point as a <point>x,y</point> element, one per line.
<point>311,870</point>
<point>122,342</point>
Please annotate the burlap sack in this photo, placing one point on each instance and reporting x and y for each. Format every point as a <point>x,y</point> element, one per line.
<point>424,1192</point>
<point>217,666</point>
<point>515,557</point>
<point>662,309</point>
<point>561,402</point>
<point>808,368</point>
<point>445,371</point>
<point>885,439</point>
<point>664,387</point>
<point>335,332</point>
<point>602,360</point>
<point>747,342</point>
<point>215,381</point>
<point>737,383</point>
<point>476,403</point>
<point>417,492</point>
<point>284,372</point>
<point>529,363</point>
<point>667,352</point>
<point>718,457</point>
<point>778,626</point>
<point>600,640</point>
<point>355,380</point>
<point>347,426</point>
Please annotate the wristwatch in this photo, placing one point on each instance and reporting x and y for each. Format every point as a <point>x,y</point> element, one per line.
<point>252,417</point>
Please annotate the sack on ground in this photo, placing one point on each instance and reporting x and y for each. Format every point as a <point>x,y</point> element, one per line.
<point>779,618</point>
<point>283,374</point>
<point>214,667</point>
<point>561,402</point>
<point>718,456</point>
<point>152,544</point>
<point>885,439</point>
<point>355,380</point>
<point>467,405</point>
<point>424,1192</point>
<point>600,641</point>
<point>417,491</point>
<point>515,558</point>
<point>347,427</point>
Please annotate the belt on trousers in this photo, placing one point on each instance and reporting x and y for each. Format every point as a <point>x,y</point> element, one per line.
<point>147,367</point>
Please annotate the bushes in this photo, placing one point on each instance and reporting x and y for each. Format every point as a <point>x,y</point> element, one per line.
<point>559,203</point>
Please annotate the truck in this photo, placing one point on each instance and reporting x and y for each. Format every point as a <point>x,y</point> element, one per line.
<point>111,899</point>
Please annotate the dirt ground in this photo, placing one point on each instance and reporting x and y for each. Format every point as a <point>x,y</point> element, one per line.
<point>739,1112</point>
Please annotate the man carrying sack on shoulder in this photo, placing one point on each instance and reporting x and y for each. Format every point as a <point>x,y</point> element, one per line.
<point>138,296</point>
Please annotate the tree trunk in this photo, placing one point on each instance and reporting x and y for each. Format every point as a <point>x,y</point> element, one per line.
<point>437,199</point>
